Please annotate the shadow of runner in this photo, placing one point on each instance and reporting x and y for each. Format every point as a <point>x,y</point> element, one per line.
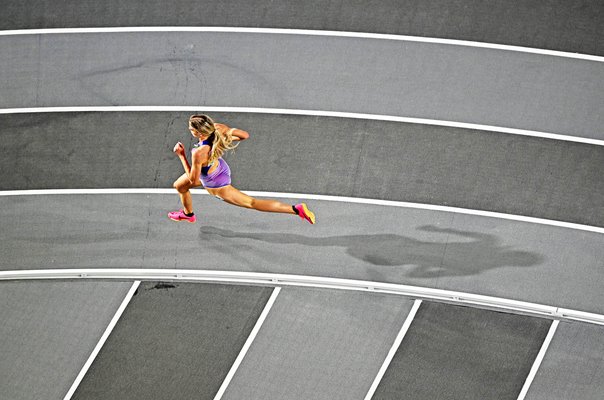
<point>425,259</point>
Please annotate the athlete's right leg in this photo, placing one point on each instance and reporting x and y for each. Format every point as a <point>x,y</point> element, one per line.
<point>182,185</point>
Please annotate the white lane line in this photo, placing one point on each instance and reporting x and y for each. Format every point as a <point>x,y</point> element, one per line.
<point>393,349</point>
<point>539,359</point>
<point>101,342</point>
<point>341,199</point>
<point>247,344</point>
<point>306,32</point>
<point>315,113</point>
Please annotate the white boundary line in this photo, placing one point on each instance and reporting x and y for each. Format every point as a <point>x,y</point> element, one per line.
<point>272,279</point>
<point>538,360</point>
<point>102,341</point>
<point>306,32</point>
<point>393,349</point>
<point>355,200</point>
<point>315,113</point>
<point>247,344</point>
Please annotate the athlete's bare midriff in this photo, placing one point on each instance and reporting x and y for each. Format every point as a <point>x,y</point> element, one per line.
<point>212,168</point>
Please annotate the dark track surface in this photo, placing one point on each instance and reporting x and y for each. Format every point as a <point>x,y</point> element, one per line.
<point>370,159</point>
<point>574,26</point>
<point>188,333</point>
<point>453,352</point>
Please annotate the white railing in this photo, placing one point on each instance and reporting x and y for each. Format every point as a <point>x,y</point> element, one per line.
<point>259,278</point>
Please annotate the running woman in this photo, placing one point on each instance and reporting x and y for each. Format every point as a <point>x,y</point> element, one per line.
<point>210,170</point>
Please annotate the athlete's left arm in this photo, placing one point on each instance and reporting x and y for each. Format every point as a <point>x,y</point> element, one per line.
<point>237,134</point>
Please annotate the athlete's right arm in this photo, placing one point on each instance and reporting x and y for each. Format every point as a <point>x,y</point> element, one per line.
<point>179,150</point>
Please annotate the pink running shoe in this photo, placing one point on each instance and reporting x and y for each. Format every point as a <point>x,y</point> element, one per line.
<point>305,213</point>
<point>180,216</point>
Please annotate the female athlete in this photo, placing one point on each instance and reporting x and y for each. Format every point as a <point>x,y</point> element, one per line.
<point>210,170</point>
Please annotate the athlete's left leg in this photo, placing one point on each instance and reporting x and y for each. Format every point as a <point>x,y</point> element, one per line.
<point>232,195</point>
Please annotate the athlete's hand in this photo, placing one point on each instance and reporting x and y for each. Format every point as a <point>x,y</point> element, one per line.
<point>179,149</point>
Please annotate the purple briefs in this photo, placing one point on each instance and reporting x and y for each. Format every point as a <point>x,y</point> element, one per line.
<point>219,178</point>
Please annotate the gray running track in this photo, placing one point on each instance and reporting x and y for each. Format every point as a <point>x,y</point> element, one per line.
<point>433,81</point>
<point>335,156</point>
<point>48,331</point>
<point>572,367</point>
<point>174,341</point>
<point>524,261</point>
<point>453,352</point>
<point>550,24</point>
<point>319,344</point>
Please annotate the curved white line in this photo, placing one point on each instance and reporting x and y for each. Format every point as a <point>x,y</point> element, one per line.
<point>306,32</point>
<point>320,197</point>
<point>272,279</point>
<point>315,113</point>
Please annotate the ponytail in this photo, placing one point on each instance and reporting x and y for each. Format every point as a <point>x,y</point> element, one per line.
<point>223,141</point>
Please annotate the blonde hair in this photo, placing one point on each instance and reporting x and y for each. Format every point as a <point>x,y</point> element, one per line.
<point>222,141</point>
